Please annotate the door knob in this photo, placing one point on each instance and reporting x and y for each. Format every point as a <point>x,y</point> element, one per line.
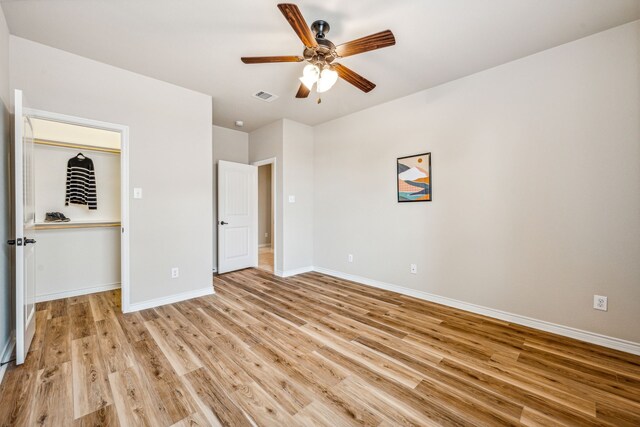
<point>27,241</point>
<point>223,223</point>
<point>11,242</point>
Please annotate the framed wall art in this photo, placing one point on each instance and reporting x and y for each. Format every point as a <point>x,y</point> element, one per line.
<point>414,178</point>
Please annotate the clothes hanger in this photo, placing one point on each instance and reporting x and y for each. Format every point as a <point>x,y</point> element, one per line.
<point>80,155</point>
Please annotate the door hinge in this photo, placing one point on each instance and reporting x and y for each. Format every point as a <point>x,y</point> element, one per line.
<point>11,242</point>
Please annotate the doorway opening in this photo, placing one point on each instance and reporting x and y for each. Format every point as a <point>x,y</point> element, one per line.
<point>266,214</point>
<point>265,218</point>
<point>81,225</point>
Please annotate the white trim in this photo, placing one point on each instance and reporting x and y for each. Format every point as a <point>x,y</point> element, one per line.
<point>579,334</point>
<point>124,184</point>
<point>289,273</point>
<point>77,292</point>
<point>6,354</point>
<point>273,161</point>
<point>264,245</point>
<point>170,299</point>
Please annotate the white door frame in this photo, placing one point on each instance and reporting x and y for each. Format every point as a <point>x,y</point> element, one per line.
<point>124,184</point>
<point>273,161</point>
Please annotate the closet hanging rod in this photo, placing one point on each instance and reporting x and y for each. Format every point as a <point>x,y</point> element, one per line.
<point>76,146</point>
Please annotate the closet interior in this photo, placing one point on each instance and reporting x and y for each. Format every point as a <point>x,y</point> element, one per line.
<point>77,205</point>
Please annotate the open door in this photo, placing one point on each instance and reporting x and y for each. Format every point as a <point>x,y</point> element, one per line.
<point>24,217</point>
<point>237,216</point>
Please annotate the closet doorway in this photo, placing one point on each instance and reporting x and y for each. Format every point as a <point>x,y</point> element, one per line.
<point>81,206</point>
<point>266,214</point>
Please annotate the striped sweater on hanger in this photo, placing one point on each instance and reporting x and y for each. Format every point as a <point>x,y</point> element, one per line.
<point>81,182</point>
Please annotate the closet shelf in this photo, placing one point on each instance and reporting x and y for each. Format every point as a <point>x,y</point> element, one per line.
<point>76,146</point>
<point>76,224</point>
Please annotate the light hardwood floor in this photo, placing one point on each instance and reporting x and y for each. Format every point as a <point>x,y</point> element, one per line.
<point>310,350</point>
<point>265,259</point>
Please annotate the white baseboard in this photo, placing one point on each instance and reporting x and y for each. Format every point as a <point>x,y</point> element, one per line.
<point>288,273</point>
<point>170,299</point>
<point>264,245</point>
<point>5,355</point>
<point>77,292</point>
<point>579,334</point>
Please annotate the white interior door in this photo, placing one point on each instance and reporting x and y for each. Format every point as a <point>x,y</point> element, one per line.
<point>237,216</point>
<point>24,214</point>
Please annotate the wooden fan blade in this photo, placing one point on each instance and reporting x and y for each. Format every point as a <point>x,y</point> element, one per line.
<point>303,91</point>
<point>365,44</point>
<point>354,78</point>
<point>270,59</point>
<point>297,22</point>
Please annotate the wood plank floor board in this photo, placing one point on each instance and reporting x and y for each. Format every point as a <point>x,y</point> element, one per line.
<point>57,308</point>
<point>214,400</point>
<point>309,350</point>
<point>161,377</point>
<point>135,404</point>
<point>195,420</point>
<point>41,327</point>
<point>56,348</point>
<point>230,326</point>
<point>115,349</point>
<point>132,324</point>
<point>90,380</point>
<point>173,347</point>
<point>53,404</point>
<point>105,416</point>
<point>291,396</point>
<point>82,323</point>
<point>17,393</point>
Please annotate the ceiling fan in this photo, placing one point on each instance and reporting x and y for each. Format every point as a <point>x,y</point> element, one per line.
<point>320,53</point>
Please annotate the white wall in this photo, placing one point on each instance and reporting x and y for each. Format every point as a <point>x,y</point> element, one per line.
<point>78,260</point>
<point>170,158</point>
<point>6,301</point>
<point>233,146</point>
<point>298,182</point>
<point>536,197</point>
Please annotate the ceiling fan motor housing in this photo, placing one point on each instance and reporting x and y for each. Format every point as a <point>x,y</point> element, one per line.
<point>325,53</point>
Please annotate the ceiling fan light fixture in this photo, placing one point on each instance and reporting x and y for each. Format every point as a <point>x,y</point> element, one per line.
<point>308,81</point>
<point>310,75</point>
<point>328,78</point>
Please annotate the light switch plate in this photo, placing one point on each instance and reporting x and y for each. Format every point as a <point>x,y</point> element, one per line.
<point>292,199</point>
<point>137,193</point>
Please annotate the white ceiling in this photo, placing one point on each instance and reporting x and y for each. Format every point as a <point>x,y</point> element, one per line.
<point>197,44</point>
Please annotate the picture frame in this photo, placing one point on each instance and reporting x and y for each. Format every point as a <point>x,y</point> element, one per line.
<point>414,178</point>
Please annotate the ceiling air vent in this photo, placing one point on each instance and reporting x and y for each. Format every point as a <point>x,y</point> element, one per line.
<point>265,96</point>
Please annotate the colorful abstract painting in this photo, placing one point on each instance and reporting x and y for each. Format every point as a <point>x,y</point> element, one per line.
<point>414,178</point>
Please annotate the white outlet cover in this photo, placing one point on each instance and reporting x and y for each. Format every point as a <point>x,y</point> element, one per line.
<point>600,302</point>
<point>175,273</point>
<point>413,269</point>
<point>292,199</point>
<point>350,258</point>
<point>137,193</point>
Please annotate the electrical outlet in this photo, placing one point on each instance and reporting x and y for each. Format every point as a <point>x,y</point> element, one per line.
<point>175,272</point>
<point>413,269</point>
<point>600,302</point>
<point>350,257</point>
<point>137,193</point>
